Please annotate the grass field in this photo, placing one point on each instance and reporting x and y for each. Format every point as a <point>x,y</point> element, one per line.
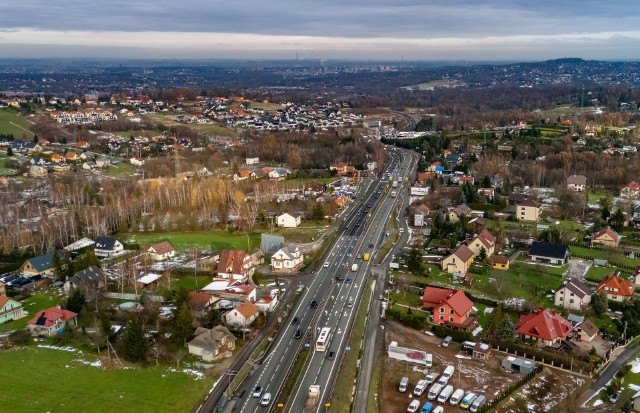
<point>15,124</point>
<point>32,305</point>
<point>83,388</point>
<point>604,255</point>
<point>121,170</point>
<point>183,241</point>
<point>215,129</point>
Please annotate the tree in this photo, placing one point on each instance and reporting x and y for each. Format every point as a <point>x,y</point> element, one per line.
<point>9,151</point>
<point>617,220</point>
<point>599,303</point>
<point>505,330</point>
<point>318,212</point>
<point>214,318</point>
<point>105,326</point>
<point>67,266</point>
<point>183,327</point>
<point>58,270</point>
<point>134,344</point>
<point>414,261</point>
<point>76,301</point>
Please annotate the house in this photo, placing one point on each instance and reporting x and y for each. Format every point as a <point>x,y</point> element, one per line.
<point>288,220</point>
<point>10,309</point>
<point>488,193</point>
<point>481,351</point>
<point>313,189</point>
<point>340,167</point>
<point>161,251</point>
<point>201,302</point>
<point>587,331</point>
<point>51,321</point>
<point>242,316</point>
<point>212,344</point>
<point>548,253</point>
<point>544,326</point>
<point>106,247</point>
<point>89,281</point>
<point>36,171</point>
<point>40,265</point>
<point>577,183</point>
<point>89,165</point>
<point>268,303</point>
<point>616,288</point>
<point>631,190</point>
<point>573,295</point>
<point>528,210</point>
<point>455,213</point>
<point>103,162</point>
<point>500,262</point>
<point>71,156</point>
<point>57,158</point>
<point>287,259</point>
<point>485,240</point>
<point>242,175</point>
<point>460,261</point>
<point>450,307</point>
<point>607,237</point>
<point>466,178</point>
<point>235,264</point>
<point>82,145</point>
<point>516,198</point>
<point>145,280</point>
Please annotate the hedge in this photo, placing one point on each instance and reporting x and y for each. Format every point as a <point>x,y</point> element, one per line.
<point>511,389</point>
<point>414,319</point>
<point>457,336</point>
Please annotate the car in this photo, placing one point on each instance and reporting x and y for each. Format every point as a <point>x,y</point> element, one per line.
<point>266,399</point>
<point>339,277</point>
<point>614,398</point>
<point>371,245</point>
<point>348,281</point>
<point>257,392</point>
<point>313,304</point>
<point>298,334</point>
<point>331,355</point>
<point>447,340</point>
<point>414,406</point>
<point>359,256</point>
<point>295,321</point>
<point>326,265</point>
<point>357,224</point>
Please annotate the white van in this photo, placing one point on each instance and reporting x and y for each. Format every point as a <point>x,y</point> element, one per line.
<point>448,372</point>
<point>404,383</point>
<point>434,391</point>
<point>477,404</point>
<point>456,397</point>
<point>431,377</point>
<point>422,384</point>
<point>429,360</point>
<point>445,394</point>
<point>443,380</point>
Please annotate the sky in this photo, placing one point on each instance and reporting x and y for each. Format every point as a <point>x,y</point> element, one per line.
<point>328,29</point>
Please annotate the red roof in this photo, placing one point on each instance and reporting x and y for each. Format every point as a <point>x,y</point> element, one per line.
<point>459,302</point>
<point>247,309</point>
<point>199,300</point>
<point>616,285</point>
<point>614,235</point>
<point>162,247</point>
<point>232,261</point>
<point>266,299</point>
<point>433,296</point>
<point>633,186</point>
<point>545,324</point>
<point>499,259</point>
<point>48,317</point>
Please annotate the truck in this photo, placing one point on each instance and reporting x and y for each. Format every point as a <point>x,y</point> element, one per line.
<point>312,398</point>
<point>354,267</point>
<point>366,256</point>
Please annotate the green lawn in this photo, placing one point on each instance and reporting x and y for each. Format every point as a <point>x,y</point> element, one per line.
<point>191,283</point>
<point>122,170</point>
<point>604,254</point>
<point>598,273</point>
<point>300,235</point>
<point>32,305</point>
<point>3,164</point>
<point>83,388</point>
<point>182,241</point>
<point>11,122</point>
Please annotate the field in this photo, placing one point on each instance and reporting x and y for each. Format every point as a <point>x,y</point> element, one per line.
<point>183,241</point>
<point>214,129</point>
<point>32,305</point>
<point>434,84</point>
<point>13,123</point>
<point>50,380</point>
<point>614,258</point>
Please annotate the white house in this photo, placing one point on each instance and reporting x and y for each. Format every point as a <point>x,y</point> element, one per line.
<point>268,303</point>
<point>243,315</point>
<point>288,220</point>
<point>573,295</point>
<point>106,247</point>
<point>161,251</point>
<point>287,259</point>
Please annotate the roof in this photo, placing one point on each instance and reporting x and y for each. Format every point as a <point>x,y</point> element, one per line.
<point>50,316</point>
<point>231,261</point>
<point>589,328</point>
<point>4,300</point>
<point>161,248</point>
<point>499,259</point>
<point>210,339</point>
<point>291,214</point>
<point>456,299</point>
<point>199,300</point>
<point>515,197</point>
<point>616,285</point>
<point>105,243</point>
<point>289,251</point>
<point>547,249</point>
<point>530,203</point>
<point>577,180</point>
<point>433,296</point>
<point>148,278</point>
<point>79,244</point>
<point>45,261</point>
<point>608,231</point>
<point>459,302</point>
<point>266,299</point>
<point>87,276</point>
<point>463,209</point>
<point>544,324</point>
<point>464,253</point>
<point>577,287</point>
<point>247,309</point>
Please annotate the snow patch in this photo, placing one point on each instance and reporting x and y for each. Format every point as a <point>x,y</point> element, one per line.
<point>597,403</point>
<point>65,348</point>
<point>635,366</point>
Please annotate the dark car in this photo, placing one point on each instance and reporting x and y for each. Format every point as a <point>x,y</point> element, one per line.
<point>339,277</point>
<point>332,355</point>
<point>370,245</point>
<point>298,334</point>
<point>348,281</point>
<point>295,321</point>
<point>313,304</point>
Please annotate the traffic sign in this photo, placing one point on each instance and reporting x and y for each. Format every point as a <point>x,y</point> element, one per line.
<point>347,348</point>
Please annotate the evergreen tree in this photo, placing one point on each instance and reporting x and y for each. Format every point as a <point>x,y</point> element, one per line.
<point>505,330</point>
<point>414,261</point>
<point>59,272</point>
<point>599,303</point>
<point>183,324</point>
<point>9,151</point>
<point>617,220</point>
<point>318,212</point>
<point>134,344</point>
<point>486,182</point>
<point>67,266</point>
<point>214,318</point>
<point>76,301</point>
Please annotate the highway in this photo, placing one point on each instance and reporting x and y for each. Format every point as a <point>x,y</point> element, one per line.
<point>363,231</point>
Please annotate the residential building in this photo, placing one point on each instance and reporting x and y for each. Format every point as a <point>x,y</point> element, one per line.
<point>235,264</point>
<point>10,309</point>
<point>40,265</point>
<point>51,321</point>
<point>287,259</point>
<point>500,262</point>
<point>548,253</point>
<point>341,168</point>
<point>107,247</point>
<point>212,344</point>
<point>607,237</point>
<point>573,295</point>
<point>630,191</point>
<point>587,331</point>
<point>201,302</point>
<point>516,198</point>
<point>288,220</point>
<point>458,262</point>
<point>267,303</point>
<point>160,252</point>
<point>485,240</point>
<point>242,316</point>
<point>90,281</point>
<point>450,307</point>
<point>528,210</point>
<point>455,213</point>
<point>616,288</point>
<point>577,183</point>
<point>544,326</point>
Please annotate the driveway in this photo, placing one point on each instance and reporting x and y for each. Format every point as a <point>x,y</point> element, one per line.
<point>578,268</point>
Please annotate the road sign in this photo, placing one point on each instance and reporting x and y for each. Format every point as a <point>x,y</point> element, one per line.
<point>347,348</point>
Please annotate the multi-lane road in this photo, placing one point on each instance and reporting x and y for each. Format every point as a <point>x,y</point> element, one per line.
<point>325,302</point>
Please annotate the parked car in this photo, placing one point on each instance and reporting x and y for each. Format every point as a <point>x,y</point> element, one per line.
<point>614,398</point>
<point>414,406</point>
<point>447,340</point>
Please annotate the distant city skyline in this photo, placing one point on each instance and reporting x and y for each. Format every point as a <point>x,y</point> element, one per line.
<point>356,29</point>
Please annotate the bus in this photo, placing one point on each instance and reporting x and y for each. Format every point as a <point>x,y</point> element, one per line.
<point>323,339</point>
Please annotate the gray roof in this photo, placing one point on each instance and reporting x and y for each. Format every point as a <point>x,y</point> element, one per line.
<point>211,339</point>
<point>549,250</point>
<point>44,262</point>
<point>577,287</point>
<point>589,328</point>
<point>105,243</point>
<point>88,276</point>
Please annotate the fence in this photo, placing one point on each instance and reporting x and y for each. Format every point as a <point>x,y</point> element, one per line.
<point>510,390</point>
<point>133,297</point>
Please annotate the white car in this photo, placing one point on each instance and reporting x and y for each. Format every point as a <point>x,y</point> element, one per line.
<point>414,406</point>
<point>326,265</point>
<point>257,392</point>
<point>266,399</point>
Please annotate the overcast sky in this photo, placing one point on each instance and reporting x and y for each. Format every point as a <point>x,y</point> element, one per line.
<point>327,29</point>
